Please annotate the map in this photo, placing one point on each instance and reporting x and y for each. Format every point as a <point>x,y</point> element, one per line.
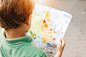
<point>48,25</point>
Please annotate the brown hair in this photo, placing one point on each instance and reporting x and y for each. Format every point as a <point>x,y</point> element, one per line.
<point>14,12</point>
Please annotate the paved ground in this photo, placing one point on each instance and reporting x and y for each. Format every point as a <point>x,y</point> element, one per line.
<point>75,36</point>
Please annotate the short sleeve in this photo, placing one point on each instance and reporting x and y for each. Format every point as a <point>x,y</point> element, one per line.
<point>43,55</point>
<point>36,55</point>
<point>34,50</point>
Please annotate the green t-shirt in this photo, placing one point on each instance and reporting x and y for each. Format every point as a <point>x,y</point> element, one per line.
<point>19,47</point>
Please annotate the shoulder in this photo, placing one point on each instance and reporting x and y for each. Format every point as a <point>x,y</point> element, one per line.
<point>1,35</point>
<point>33,50</point>
<point>1,32</point>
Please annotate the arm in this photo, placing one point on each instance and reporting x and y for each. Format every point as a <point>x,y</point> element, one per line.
<point>60,48</point>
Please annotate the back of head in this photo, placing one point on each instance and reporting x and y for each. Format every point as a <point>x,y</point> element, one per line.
<point>14,12</point>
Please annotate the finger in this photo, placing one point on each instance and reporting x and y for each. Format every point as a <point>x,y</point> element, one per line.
<point>63,42</point>
<point>60,42</point>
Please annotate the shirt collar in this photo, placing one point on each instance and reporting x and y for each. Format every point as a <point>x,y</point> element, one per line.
<point>15,41</point>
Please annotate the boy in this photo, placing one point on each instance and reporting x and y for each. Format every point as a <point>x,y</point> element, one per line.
<point>15,18</point>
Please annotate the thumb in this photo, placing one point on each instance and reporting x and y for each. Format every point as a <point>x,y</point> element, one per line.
<point>60,41</point>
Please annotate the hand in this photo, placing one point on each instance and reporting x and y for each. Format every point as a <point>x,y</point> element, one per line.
<point>60,48</point>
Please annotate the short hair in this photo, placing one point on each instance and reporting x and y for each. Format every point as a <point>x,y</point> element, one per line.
<point>14,12</point>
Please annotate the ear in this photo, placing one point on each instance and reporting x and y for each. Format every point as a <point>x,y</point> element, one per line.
<point>28,19</point>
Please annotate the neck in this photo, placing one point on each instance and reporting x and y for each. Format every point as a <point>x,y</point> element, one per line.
<point>15,33</point>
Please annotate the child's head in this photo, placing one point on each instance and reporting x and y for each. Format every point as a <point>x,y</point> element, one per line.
<point>15,13</point>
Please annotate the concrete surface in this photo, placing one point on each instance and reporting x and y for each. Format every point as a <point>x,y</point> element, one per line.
<point>75,37</point>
